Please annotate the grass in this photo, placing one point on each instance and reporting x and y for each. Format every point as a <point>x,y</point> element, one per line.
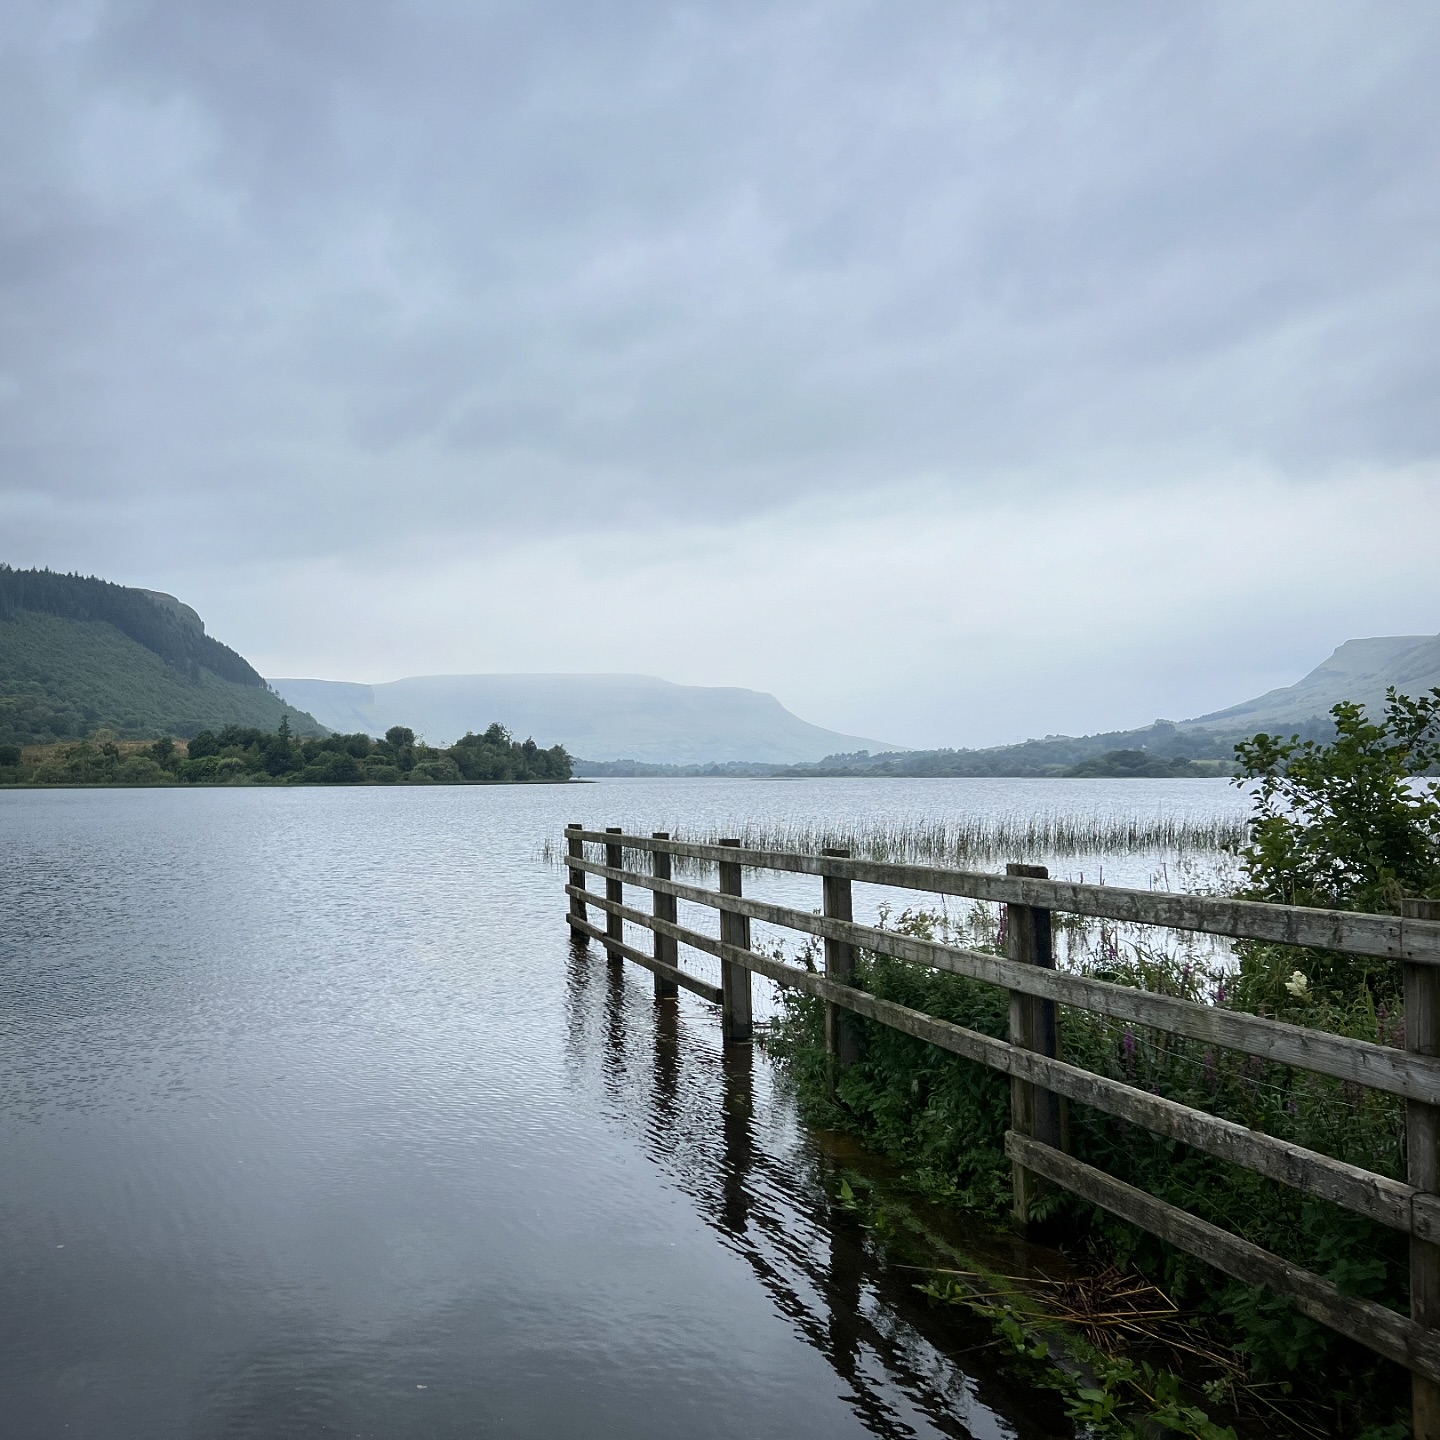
<point>967,840</point>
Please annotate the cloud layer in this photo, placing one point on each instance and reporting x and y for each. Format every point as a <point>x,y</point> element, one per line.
<point>1026,335</point>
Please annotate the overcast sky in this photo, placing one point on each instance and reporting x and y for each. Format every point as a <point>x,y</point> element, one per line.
<point>955,371</point>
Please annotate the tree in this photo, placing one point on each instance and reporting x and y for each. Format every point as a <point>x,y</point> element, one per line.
<point>401,740</point>
<point>1343,825</point>
<point>204,743</point>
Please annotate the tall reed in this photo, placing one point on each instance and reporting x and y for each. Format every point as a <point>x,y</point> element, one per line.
<point>966,839</point>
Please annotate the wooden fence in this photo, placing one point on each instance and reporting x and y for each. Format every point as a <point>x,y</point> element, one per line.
<point>1041,1082</point>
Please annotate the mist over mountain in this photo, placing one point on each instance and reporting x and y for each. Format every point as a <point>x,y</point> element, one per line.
<point>599,717</point>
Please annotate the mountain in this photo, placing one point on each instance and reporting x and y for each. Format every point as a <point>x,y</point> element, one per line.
<point>77,653</point>
<point>1164,742</point>
<point>1359,670</point>
<point>601,717</point>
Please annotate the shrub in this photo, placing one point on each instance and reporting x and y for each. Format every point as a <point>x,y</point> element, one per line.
<point>141,770</point>
<point>943,1118</point>
<point>1341,825</point>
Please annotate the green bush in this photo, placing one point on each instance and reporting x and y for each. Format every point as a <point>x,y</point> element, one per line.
<point>141,770</point>
<point>1344,826</point>
<point>943,1118</point>
<point>1340,824</point>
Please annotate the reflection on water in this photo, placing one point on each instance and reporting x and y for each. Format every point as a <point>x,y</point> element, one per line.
<point>313,1123</point>
<point>714,1119</point>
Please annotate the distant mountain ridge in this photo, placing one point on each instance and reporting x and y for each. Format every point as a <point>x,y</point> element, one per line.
<point>1359,670</point>
<point>78,653</point>
<point>600,717</point>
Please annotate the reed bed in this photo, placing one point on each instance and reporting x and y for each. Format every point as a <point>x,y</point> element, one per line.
<point>1017,835</point>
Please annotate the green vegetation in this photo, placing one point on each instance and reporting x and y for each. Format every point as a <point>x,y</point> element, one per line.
<point>1336,824</point>
<point>1344,824</point>
<point>1140,764</point>
<point>237,755</point>
<point>78,654</point>
<point>970,839</point>
<point>159,623</point>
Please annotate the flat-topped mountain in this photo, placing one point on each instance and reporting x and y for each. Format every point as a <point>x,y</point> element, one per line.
<point>601,717</point>
<point>77,653</point>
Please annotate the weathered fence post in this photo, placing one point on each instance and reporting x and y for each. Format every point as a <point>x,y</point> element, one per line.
<point>842,1035</point>
<point>576,851</point>
<point>1033,1111</point>
<point>667,948</point>
<point>735,1024</point>
<point>614,890</point>
<point>1422,1135</point>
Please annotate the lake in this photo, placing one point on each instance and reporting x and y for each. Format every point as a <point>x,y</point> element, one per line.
<point>315,1125</point>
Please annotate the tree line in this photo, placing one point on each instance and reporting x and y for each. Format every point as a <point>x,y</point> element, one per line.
<point>238,754</point>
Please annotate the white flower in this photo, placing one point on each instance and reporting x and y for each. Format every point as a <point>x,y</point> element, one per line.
<point>1298,985</point>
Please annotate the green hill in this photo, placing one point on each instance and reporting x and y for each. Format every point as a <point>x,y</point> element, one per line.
<point>1359,670</point>
<point>77,653</point>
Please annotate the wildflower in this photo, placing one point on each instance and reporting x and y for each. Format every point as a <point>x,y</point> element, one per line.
<point>1298,985</point>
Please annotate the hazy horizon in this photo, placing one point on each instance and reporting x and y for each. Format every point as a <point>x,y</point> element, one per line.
<point>954,374</point>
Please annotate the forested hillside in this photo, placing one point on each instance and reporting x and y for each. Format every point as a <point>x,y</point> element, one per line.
<point>78,653</point>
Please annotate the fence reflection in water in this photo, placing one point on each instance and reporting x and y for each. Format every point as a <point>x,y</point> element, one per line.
<point>1041,1082</point>
<point>715,1120</point>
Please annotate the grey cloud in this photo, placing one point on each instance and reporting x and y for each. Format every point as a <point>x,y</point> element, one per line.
<point>377,267</point>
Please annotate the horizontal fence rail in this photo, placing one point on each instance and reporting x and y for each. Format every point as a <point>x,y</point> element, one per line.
<point>1391,937</point>
<point>1391,1202</point>
<point>1378,1066</point>
<point>1041,1081</point>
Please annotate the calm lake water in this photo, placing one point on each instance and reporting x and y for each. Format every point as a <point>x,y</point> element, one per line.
<point>314,1125</point>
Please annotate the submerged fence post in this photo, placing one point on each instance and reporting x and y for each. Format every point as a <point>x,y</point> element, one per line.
<point>576,851</point>
<point>1422,1135</point>
<point>667,948</point>
<point>614,890</point>
<point>842,1033</point>
<point>735,1023</point>
<point>1033,1111</point>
